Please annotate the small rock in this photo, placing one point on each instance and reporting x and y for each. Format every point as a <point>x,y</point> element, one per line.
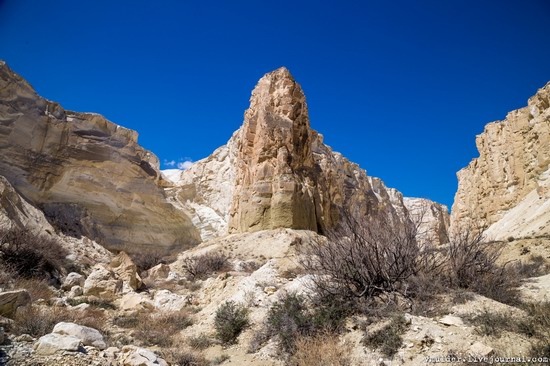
<point>270,290</point>
<point>158,272</point>
<point>102,282</point>
<point>168,301</point>
<point>82,307</point>
<point>449,320</point>
<point>126,270</point>
<point>143,357</point>
<point>72,279</point>
<point>135,301</point>
<point>88,336</point>
<point>24,338</point>
<point>52,343</point>
<point>481,350</point>
<point>75,292</point>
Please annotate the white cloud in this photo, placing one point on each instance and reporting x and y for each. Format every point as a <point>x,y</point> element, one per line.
<point>170,163</point>
<point>183,165</point>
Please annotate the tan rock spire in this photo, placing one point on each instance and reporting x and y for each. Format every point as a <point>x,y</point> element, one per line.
<point>274,159</point>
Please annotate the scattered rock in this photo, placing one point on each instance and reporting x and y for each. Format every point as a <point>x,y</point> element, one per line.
<point>53,343</point>
<point>11,300</point>
<point>102,282</point>
<point>73,279</point>
<point>88,336</point>
<point>75,292</point>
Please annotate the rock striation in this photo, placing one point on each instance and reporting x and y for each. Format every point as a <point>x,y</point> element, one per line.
<point>88,175</point>
<point>276,172</point>
<point>432,218</point>
<point>507,188</point>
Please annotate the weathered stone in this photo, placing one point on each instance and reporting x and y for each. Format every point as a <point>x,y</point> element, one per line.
<point>73,279</point>
<point>88,174</point>
<point>126,270</point>
<point>479,349</point>
<point>53,343</point>
<point>158,272</point>
<point>102,282</point>
<point>168,301</point>
<point>135,301</point>
<point>433,220</point>
<point>88,336</point>
<point>451,320</point>
<point>143,357</point>
<point>512,170</point>
<point>11,300</point>
<point>76,291</point>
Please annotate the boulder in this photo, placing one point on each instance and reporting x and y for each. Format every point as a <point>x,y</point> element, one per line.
<point>135,301</point>
<point>158,272</point>
<point>449,320</point>
<point>53,343</point>
<point>169,301</point>
<point>75,292</point>
<point>143,357</point>
<point>11,300</point>
<point>88,336</point>
<point>73,279</point>
<point>126,270</point>
<point>102,282</point>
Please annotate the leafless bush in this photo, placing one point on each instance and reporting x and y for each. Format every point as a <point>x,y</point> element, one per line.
<point>32,256</point>
<point>203,265</point>
<point>184,357</point>
<point>362,260</point>
<point>145,260</point>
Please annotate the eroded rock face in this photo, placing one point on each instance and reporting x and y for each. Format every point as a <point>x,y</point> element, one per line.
<point>87,174</point>
<point>276,172</point>
<point>512,170</point>
<point>432,218</point>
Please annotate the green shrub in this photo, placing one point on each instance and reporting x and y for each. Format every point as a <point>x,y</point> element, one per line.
<point>389,338</point>
<point>231,319</point>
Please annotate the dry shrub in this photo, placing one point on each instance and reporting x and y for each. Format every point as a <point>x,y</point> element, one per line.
<point>200,342</point>
<point>38,289</point>
<point>231,319</point>
<point>388,339</point>
<point>145,260</point>
<point>38,321</point>
<point>184,357</point>
<point>320,350</point>
<point>155,329</point>
<point>201,266</point>
<point>32,256</point>
<point>362,260</point>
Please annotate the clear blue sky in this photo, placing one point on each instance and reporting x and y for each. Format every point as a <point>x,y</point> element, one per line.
<point>400,87</point>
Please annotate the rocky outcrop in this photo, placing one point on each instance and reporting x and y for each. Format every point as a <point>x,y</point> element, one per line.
<point>87,174</point>
<point>88,336</point>
<point>276,172</point>
<point>431,218</point>
<point>512,173</point>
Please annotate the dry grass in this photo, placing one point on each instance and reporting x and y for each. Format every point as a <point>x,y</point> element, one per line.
<point>388,339</point>
<point>184,357</point>
<point>321,350</point>
<point>200,342</point>
<point>158,329</point>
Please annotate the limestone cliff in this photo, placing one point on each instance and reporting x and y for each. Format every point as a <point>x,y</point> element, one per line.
<point>432,219</point>
<point>508,185</point>
<point>276,172</point>
<point>87,174</point>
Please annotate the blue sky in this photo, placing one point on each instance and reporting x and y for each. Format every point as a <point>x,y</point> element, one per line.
<point>400,87</point>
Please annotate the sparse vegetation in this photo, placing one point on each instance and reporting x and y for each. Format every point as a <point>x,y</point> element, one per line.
<point>201,266</point>
<point>320,350</point>
<point>32,256</point>
<point>388,339</point>
<point>183,357</point>
<point>200,342</point>
<point>231,319</point>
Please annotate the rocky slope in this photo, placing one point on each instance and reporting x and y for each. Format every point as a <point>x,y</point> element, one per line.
<point>276,172</point>
<point>87,174</point>
<point>508,185</point>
